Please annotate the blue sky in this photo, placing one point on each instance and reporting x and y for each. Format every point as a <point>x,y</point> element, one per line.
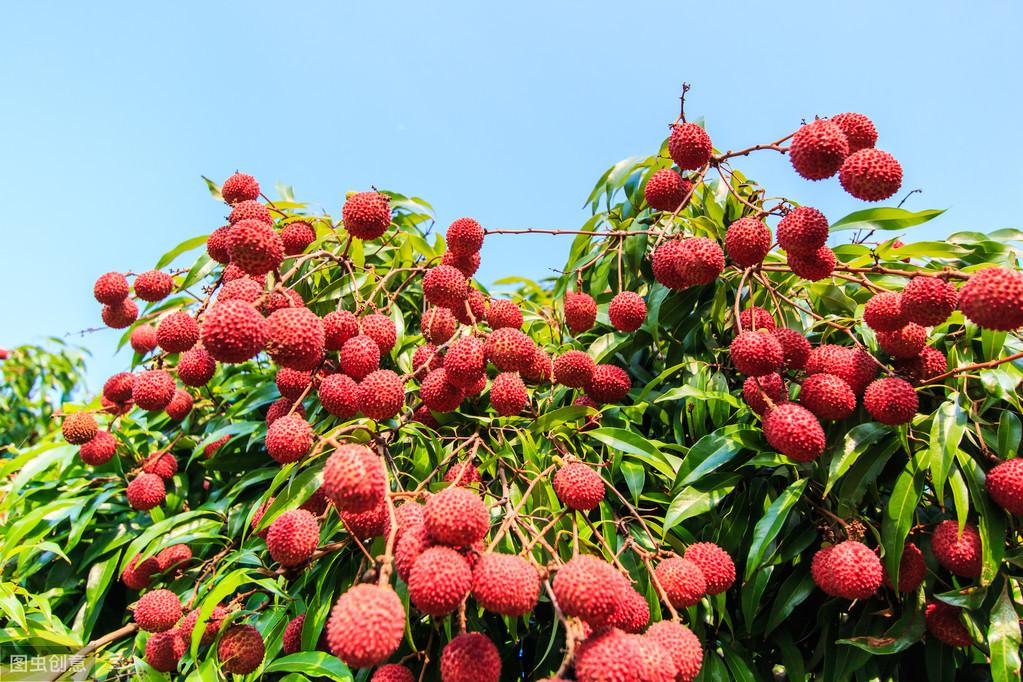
<point>112,112</point>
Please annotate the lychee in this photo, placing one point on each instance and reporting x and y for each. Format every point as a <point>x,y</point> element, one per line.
<point>666,190</point>
<point>456,516</point>
<point>381,395</point>
<point>959,553</point>
<point>682,581</point>
<point>993,299</point>
<point>1004,484</point>
<point>682,645</point>
<point>295,338</point>
<point>438,325</point>
<point>297,237</point>
<point>747,241</point>
<point>153,390</point>
<point>157,611</point>
<point>233,331</point>
<point>755,318</point>
<point>756,353</point>
<point>289,439</point>
<point>79,428</point>
<point>883,312</point>
<point>578,486</point>
<point>754,388</point>
<point>814,267</point>
<point>292,537</point>
<point>393,672</point>
<point>239,187</point>
<point>174,558</point>
<point>506,584</point>
<point>504,313</point>
<point>360,355</point>
<point>467,264</point>
<point>855,570</point>
<point>338,327</point>
<point>715,563</point>
<point>117,388</point>
<point>912,569</point>
<point>366,625</point>
<point>627,311</point>
<point>794,346</point>
<point>339,395</point>
<point>470,657</point>
<point>250,209</point>
<point>464,237</point>
<point>241,649</point>
<point>700,261</point>
<point>439,581</point>
<point>574,369</point>
<point>216,244</point>
<point>146,491</point>
<point>871,175</point>
<point>827,396</point>
<point>439,394</point>
<point>153,285</point>
<point>903,343</point>
<point>633,612</point>
<point>196,367</point>
<point>110,288</point>
<point>162,463</point>
<point>143,338</point>
<point>803,231</point>
<point>381,329</point>
<point>510,350</point>
<point>689,146</point>
<point>943,622</point>
<point>929,301</point>
<point>859,130</point>
<point>465,361</point>
<point>100,450</point>
<point>164,650</point>
<point>580,312</point>
<point>138,573</point>
<point>590,589</point>
<point>891,401</point>
<point>446,286</point>
<point>354,478</point>
<point>818,149</point>
<point>121,314</point>
<point>664,263</point>
<point>793,431</point>
<point>367,215</point>
<point>608,384</point>
<point>180,405</point>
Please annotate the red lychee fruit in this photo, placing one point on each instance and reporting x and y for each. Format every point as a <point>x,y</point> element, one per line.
<point>439,394</point>
<point>153,390</point>
<point>289,439</point>
<point>295,338</point>
<point>510,350</point>
<point>803,231</point>
<point>590,589</point>
<point>233,331</point>
<point>615,655</point>
<point>381,395</point>
<point>367,215</point>
<point>715,563</point>
<point>664,263</point>
<point>943,622</point>
<point>110,288</point>
<point>666,190</point>
<point>242,289</point>
<point>748,241</point>
<point>293,383</point>
<point>912,569</point>
<point>903,343</point>
<point>689,146</point>
<point>883,312</point>
<point>814,267</point>
<point>794,346</point>
<point>504,313</point>
<point>427,359</point>
<point>859,130</point>
<point>164,650</point>
<point>439,581</point>
<point>339,395</point>
<point>255,247</point>
<point>100,450</point>
<point>1004,484</point>
<point>465,361</point>
<point>820,571</point>
<point>216,244</point>
<point>121,315</point>
<point>117,388</point>
<point>457,517</point>
<point>464,237</point>
<point>580,312</point>
<point>574,369</point>
<point>354,478</point>
<point>282,407</point>
<point>540,368</point>
<point>682,645</point>
<point>366,625</point>
<point>993,299</point>
<point>444,285</point>
<point>438,325</point>
<point>393,672</point>
<point>853,365</point>
<point>196,367</point>
<point>755,318</point>
<point>240,187</point>
<point>756,353</point>
<point>360,355</point>
<point>138,573</point>
<point>464,474</point>
<point>682,581</point>
<point>827,396</point>
<point>929,363</point>
<point>891,401</point>
<point>793,431</point>
<point>928,301</point>
<point>409,545</point>
<point>381,329</point>
<point>143,339</point>
<point>506,584</point>
<point>338,327</point>
<point>146,491</point>
<point>470,657</point>
<point>79,428</point>
<point>164,464</point>
<point>754,388</point>
<point>153,285</point>
<point>369,524</point>
<point>250,209</point>
<point>608,384</point>
<point>297,237</point>
<point>627,311</point>
<point>818,149</point>
<point>871,175</point>
<point>157,611</point>
<point>292,537</point>
<point>633,612</point>
<point>578,486</point>
<point>700,261</point>
<point>855,570</point>
<point>467,265</point>
<point>959,553</point>
<point>174,558</point>
<point>476,304</point>
<point>209,632</point>
<point>212,447</point>
<point>180,405</point>
<point>241,649</point>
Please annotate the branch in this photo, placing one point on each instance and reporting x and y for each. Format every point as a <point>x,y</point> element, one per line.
<point>82,653</point>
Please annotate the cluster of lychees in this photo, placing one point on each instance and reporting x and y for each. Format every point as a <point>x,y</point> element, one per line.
<point>437,544</point>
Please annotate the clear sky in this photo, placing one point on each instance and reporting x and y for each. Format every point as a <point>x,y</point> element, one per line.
<point>112,111</point>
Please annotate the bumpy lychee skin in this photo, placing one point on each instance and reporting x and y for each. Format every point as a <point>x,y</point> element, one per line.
<point>820,571</point>
<point>580,312</point>
<point>747,241</point>
<point>242,289</point>
<point>233,331</point>
<point>292,537</point>
<point>174,558</point>
<point>700,261</point>
<point>439,581</point>
<point>196,367</point>
<point>590,589</point>
<point>578,486</point>
<point>153,285</point>
<point>366,625</point>
<point>250,210</point>
<point>157,611</point>
<point>855,570</point>
<point>392,672</point>
<point>793,431</point>
<point>508,394</point>
<point>297,237</point>
<point>338,327</point>
<point>755,318</point>
<point>470,657</point>
<point>859,130</point>
<point>456,516</point>
<point>803,231</point>
<point>216,244</point>
<point>241,649</point>
<point>240,187</point>
<point>771,384</point>
<point>117,388</point>
<point>164,650</point>
<point>354,478</point>
<point>715,563</point>
<point>608,384</point>
<point>110,288</point>
<point>510,350</point>
<point>506,584</point>
<point>540,369</point>
<point>446,286</point>
<point>180,405</point>
<point>818,149</point>
<point>475,303</point>
<point>664,263</point>
<point>929,301</point>
<point>756,353</point>
<point>381,395</point>
<point>912,569</point>
<point>138,573</point>
<point>367,215</point>
<point>121,314</point>
<point>633,612</point>
<point>689,146</point>
<point>467,265</point>
<point>291,640</point>
<point>464,474</point>
<point>827,396</point>
<point>883,312</point>
<point>79,428</point>
<point>464,237</point>
<point>146,491</point>
<point>381,329</point>
<point>943,622</point>
<point>903,343</point>
<point>856,367</point>
<point>163,464</point>
<point>960,554</point>
<point>439,324</point>
<point>574,369</point>
<point>1004,484</point>
<point>465,361</point>
<point>292,383</point>
<point>289,439</point>
<point>153,390</point>
<point>814,267</point>
<point>295,338</point>
<point>504,313</point>
<point>143,339</point>
<point>255,247</point>
<point>871,175</point>
<point>682,645</point>
<point>993,299</point>
<point>666,190</point>
<point>627,311</point>
<point>929,363</point>
<point>611,654</point>
<point>795,348</point>
<point>360,355</point>
<point>282,407</point>
<point>426,359</point>
<point>682,581</point>
<point>439,394</point>
<point>891,401</point>
<point>339,395</point>
<point>408,547</point>
<point>100,450</point>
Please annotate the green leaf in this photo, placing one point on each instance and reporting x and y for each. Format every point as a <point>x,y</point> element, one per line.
<point>884,219</point>
<point>1004,638</point>
<point>184,247</point>
<point>856,442</point>
<point>634,444</point>
<point>900,513</point>
<point>1009,431</point>
<point>315,663</point>
<point>768,527</point>
<point>946,433</point>
<point>693,502</point>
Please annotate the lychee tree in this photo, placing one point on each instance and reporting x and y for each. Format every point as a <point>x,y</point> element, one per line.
<point>713,448</point>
